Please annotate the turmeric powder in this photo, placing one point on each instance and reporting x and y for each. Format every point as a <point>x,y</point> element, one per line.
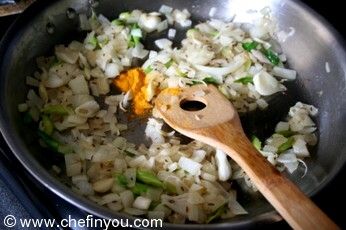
<point>134,80</point>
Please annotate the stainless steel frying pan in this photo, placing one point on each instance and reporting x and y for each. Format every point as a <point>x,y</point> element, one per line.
<point>315,42</point>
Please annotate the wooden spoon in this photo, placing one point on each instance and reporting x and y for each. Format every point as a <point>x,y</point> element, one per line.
<point>203,113</point>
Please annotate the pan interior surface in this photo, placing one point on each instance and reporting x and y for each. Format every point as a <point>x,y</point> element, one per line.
<point>313,45</point>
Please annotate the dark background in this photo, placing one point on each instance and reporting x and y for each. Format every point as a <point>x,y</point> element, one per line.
<point>332,198</point>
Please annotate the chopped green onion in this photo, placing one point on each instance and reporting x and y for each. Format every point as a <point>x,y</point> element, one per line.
<point>195,83</point>
<point>181,74</point>
<point>54,144</point>
<point>65,149</point>
<point>217,213</point>
<point>247,64</point>
<point>272,57</point>
<point>121,180</point>
<point>245,80</point>
<point>191,33</point>
<point>102,41</point>
<point>49,141</point>
<point>286,133</point>
<point>169,63</point>
<point>129,153</point>
<point>148,69</point>
<point>56,110</point>
<point>139,189</point>
<point>124,15</point>
<point>288,144</point>
<point>210,80</point>
<point>136,32</point>
<point>136,35</point>
<point>215,33</point>
<point>93,41</point>
<point>47,125</point>
<point>148,177</point>
<point>153,205</point>
<point>170,188</point>
<point>256,142</point>
<point>55,62</point>
<point>118,22</point>
<point>248,46</point>
<point>94,22</point>
<point>133,42</point>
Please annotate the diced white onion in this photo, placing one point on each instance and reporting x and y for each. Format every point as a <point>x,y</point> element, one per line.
<point>224,167</point>
<point>112,70</point>
<point>300,149</point>
<point>284,73</point>
<point>162,26</point>
<point>141,203</point>
<point>163,43</point>
<point>265,84</point>
<point>171,33</point>
<point>164,9</point>
<point>103,185</point>
<point>148,22</point>
<point>282,126</point>
<point>87,109</point>
<point>153,131</point>
<point>79,85</point>
<point>192,167</point>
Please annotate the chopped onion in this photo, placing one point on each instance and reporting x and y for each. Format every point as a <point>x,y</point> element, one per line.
<point>191,166</point>
<point>299,148</point>
<point>148,22</point>
<point>186,23</point>
<point>126,198</point>
<point>265,84</point>
<point>139,52</point>
<point>141,203</point>
<point>171,33</point>
<point>289,160</point>
<point>163,43</point>
<point>103,185</point>
<point>236,208</point>
<point>282,126</point>
<point>199,155</point>
<point>87,109</point>
<point>112,70</point>
<point>224,168</point>
<point>66,54</point>
<point>284,73</point>
<point>153,131</point>
<point>164,9</point>
<point>162,26</point>
<point>181,17</point>
<point>79,85</point>
<point>220,72</point>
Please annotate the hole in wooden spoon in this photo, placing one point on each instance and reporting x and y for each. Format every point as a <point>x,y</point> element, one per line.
<point>192,105</point>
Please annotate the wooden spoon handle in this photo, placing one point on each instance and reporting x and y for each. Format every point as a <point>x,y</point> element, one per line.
<point>293,205</point>
<point>219,126</point>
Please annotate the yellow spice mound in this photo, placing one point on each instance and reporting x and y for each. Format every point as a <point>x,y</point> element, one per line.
<point>135,81</point>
